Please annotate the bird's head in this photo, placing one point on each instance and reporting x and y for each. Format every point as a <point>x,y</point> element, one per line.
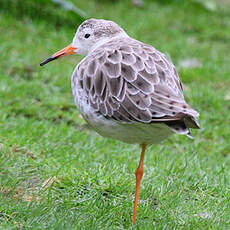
<point>90,34</point>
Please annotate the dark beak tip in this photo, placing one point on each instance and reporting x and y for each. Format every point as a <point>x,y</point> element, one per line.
<point>48,60</point>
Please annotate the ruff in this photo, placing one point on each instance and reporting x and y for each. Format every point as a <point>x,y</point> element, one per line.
<point>125,89</point>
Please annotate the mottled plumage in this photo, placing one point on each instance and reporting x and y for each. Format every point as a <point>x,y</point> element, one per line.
<point>125,89</point>
<point>129,82</point>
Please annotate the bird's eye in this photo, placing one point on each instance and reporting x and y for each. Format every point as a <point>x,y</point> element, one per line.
<point>87,35</point>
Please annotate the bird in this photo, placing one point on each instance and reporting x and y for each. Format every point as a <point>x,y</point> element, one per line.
<point>126,90</point>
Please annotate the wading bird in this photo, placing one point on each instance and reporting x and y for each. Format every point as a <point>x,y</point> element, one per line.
<point>125,89</point>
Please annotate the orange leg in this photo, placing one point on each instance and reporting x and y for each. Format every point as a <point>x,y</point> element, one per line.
<point>139,174</point>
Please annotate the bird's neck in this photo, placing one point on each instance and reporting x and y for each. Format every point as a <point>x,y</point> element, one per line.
<point>105,40</point>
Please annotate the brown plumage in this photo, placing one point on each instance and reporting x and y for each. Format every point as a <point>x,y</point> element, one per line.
<point>140,80</point>
<point>126,90</point>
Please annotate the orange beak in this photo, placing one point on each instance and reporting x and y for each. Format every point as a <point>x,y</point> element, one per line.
<point>61,53</point>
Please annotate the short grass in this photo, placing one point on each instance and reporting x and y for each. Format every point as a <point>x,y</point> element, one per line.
<point>56,174</point>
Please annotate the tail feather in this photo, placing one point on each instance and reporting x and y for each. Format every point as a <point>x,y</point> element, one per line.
<point>182,126</point>
<point>191,122</point>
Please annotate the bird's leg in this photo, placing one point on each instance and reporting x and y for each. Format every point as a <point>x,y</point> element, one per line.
<point>139,174</point>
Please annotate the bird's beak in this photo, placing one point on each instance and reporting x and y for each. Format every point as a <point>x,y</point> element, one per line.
<point>61,53</point>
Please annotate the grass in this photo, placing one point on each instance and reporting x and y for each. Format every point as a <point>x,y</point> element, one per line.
<point>55,174</point>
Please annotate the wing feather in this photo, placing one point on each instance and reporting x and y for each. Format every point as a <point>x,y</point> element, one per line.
<point>133,82</point>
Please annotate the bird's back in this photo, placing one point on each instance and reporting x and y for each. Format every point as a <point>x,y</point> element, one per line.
<point>127,81</point>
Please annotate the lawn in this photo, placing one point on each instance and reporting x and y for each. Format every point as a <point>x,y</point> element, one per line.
<point>55,173</point>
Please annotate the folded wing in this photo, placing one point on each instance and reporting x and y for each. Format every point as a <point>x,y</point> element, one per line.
<point>133,82</point>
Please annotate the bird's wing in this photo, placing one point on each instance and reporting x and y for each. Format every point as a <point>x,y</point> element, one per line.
<point>133,82</point>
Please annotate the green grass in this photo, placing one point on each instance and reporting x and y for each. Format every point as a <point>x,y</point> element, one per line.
<point>91,183</point>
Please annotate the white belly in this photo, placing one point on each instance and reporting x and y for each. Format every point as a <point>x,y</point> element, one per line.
<point>133,133</point>
<point>136,132</point>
